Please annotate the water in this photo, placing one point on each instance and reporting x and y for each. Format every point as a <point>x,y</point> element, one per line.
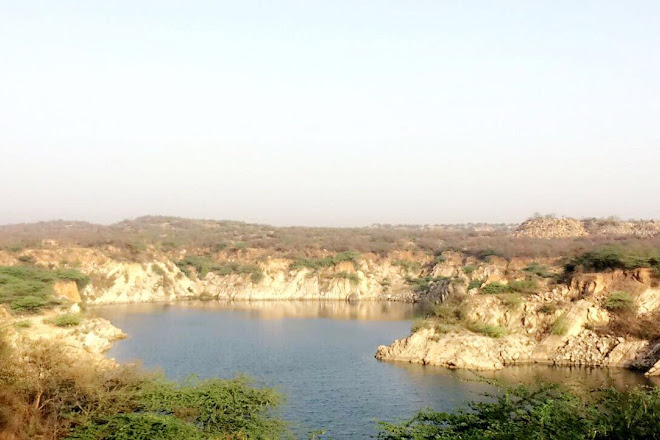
<point>319,354</point>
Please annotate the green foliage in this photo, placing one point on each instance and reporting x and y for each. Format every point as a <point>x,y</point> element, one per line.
<point>492,331</point>
<point>539,270</point>
<point>47,394</point>
<point>618,301</point>
<point>29,289</point>
<point>407,265</point>
<point>352,277</point>
<point>27,259</point>
<point>23,324</point>
<point>439,259</point>
<point>542,413</point>
<point>615,257</point>
<point>560,326</point>
<point>138,427</point>
<point>469,269</point>
<point>318,263</point>
<point>495,288</point>
<point>65,320</point>
<point>517,286</point>
<point>422,284</point>
<point>475,284</point>
<point>203,265</point>
<point>511,300</point>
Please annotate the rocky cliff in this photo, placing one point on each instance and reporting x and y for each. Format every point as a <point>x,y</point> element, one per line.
<point>162,277</point>
<point>600,319</point>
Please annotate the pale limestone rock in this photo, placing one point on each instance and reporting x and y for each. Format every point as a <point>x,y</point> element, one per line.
<point>458,350</point>
<point>67,289</point>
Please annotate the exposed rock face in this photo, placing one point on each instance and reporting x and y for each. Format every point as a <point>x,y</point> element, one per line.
<point>68,290</point>
<point>560,337</point>
<point>455,350</point>
<point>85,342</point>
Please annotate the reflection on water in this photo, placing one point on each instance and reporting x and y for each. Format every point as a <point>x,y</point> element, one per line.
<point>362,310</point>
<point>319,354</point>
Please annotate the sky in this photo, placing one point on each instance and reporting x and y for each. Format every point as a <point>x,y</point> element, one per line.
<point>339,113</point>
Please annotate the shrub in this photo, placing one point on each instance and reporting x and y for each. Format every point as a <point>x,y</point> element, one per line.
<point>618,301</point>
<point>539,270</point>
<point>23,324</point>
<point>511,300</point>
<point>29,289</point>
<point>65,320</point>
<point>495,288</point>
<point>517,286</point>
<point>439,259</point>
<point>475,284</point>
<point>469,269</point>
<point>615,257</point>
<point>540,412</point>
<point>422,284</point>
<point>256,276</point>
<point>352,277</point>
<point>28,259</point>
<point>560,326</point>
<point>407,265</point>
<point>492,331</point>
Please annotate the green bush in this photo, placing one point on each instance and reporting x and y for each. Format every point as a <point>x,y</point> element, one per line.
<point>65,320</point>
<point>542,412</point>
<point>352,277</point>
<point>495,288</point>
<point>615,257</point>
<point>23,324</point>
<point>560,326</point>
<point>511,300</point>
<point>517,286</point>
<point>492,331</point>
<point>548,309</point>
<point>422,284</point>
<point>469,269</point>
<point>619,300</point>
<point>318,263</point>
<point>407,265</point>
<point>475,284</point>
<point>29,289</point>
<point>539,270</point>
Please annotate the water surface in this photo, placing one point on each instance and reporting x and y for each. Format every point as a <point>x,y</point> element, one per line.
<point>319,354</point>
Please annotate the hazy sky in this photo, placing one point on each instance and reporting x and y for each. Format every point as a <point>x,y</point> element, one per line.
<point>329,112</point>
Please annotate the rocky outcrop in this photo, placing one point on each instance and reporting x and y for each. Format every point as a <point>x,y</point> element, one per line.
<point>551,227</point>
<point>455,350</point>
<point>85,342</point>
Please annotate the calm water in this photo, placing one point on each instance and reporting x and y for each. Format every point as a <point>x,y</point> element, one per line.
<point>320,355</point>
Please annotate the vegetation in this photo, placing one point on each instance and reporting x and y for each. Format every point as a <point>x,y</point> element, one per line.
<point>46,395</point>
<point>203,265</point>
<point>539,270</point>
<point>352,277</point>
<point>422,284</point>
<point>618,300</point>
<point>616,257</point>
<point>475,284</point>
<point>28,289</point>
<point>318,263</point>
<point>542,412</point>
<point>469,269</point>
<point>65,320</point>
<point>407,265</point>
<point>492,331</point>
<point>560,326</point>
<point>517,286</point>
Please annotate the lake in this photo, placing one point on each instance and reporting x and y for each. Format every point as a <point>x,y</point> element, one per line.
<point>320,355</point>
